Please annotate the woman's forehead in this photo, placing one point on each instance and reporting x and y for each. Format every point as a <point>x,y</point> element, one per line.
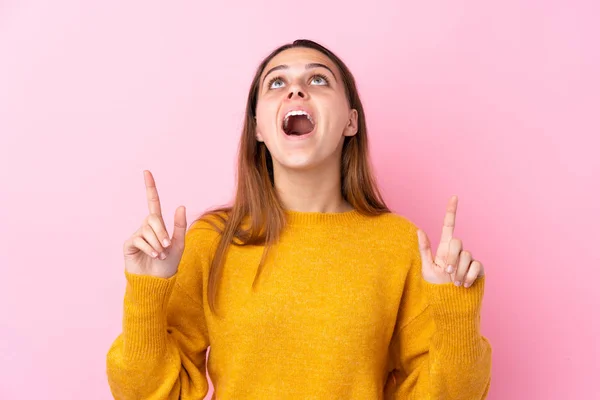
<point>298,57</point>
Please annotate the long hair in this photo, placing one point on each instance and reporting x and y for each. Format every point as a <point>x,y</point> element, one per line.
<point>257,216</point>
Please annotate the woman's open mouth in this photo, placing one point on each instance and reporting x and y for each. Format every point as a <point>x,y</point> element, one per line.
<point>298,123</point>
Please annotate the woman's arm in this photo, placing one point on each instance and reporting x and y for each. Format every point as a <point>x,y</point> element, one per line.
<point>161,353</point>
<point>437,351</point>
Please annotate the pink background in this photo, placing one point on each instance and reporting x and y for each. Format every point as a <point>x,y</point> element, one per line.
<point>497,103</point>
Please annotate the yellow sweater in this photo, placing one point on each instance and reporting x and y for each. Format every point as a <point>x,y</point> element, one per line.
<point>340,311</point>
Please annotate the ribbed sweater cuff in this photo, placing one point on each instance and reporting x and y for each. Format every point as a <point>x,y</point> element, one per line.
<point>144,315</point>
<point>456,312</point>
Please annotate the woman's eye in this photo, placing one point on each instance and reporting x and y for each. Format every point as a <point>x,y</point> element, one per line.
<point>319,80</point>
<point>276,83</point>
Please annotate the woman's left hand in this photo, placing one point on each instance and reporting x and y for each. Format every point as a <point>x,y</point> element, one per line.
<point>452,263</point>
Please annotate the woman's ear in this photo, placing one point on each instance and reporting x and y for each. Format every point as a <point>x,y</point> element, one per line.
<point>352,127</point>
<point>258,135</point>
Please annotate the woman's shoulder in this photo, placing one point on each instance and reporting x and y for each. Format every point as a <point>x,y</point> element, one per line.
<point>210,220</point>
<point>394,230</point>
<point>207,227</point>
<point>395,222</point>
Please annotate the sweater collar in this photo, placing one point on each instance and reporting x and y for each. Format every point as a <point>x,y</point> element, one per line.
<point>320,218</point>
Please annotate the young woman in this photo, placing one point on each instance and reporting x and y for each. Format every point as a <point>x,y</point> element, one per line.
<point>307,287</point>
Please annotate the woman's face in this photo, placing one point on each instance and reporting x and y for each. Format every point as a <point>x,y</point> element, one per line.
<point>302,113</point>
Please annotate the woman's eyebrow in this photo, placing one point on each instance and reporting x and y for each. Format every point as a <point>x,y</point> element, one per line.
<point>319,65</point>
<point>307,66</point>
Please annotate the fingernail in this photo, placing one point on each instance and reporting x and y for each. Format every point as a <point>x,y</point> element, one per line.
<point>163,256</point>
<point>154,254</point>
<point>467,284</point>
<point>166,242</point>
<point>457,283</point>
<point>449,269</point>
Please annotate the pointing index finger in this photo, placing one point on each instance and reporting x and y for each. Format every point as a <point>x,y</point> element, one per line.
<point>152,194</point>
<point>449,220</point>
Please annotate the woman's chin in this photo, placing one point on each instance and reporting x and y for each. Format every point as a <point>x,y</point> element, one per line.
<point>297,162</point>
<point>305,162</point>
<point>298,165</point>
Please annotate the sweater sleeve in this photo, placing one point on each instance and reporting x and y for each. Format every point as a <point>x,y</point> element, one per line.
<point>161,352</point>
<point>437,350</point>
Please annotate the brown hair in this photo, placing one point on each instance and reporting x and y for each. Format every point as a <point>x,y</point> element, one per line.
<point>256,201</point>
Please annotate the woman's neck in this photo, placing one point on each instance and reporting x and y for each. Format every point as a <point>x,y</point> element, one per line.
<point>314,190</point>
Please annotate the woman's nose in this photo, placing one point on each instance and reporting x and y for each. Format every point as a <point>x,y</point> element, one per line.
<point>295,93</point>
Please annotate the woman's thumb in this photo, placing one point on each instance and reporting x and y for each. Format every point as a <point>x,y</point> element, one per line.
<point>180,225</point>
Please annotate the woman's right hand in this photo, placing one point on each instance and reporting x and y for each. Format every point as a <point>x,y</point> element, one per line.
<point>146,252</point>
